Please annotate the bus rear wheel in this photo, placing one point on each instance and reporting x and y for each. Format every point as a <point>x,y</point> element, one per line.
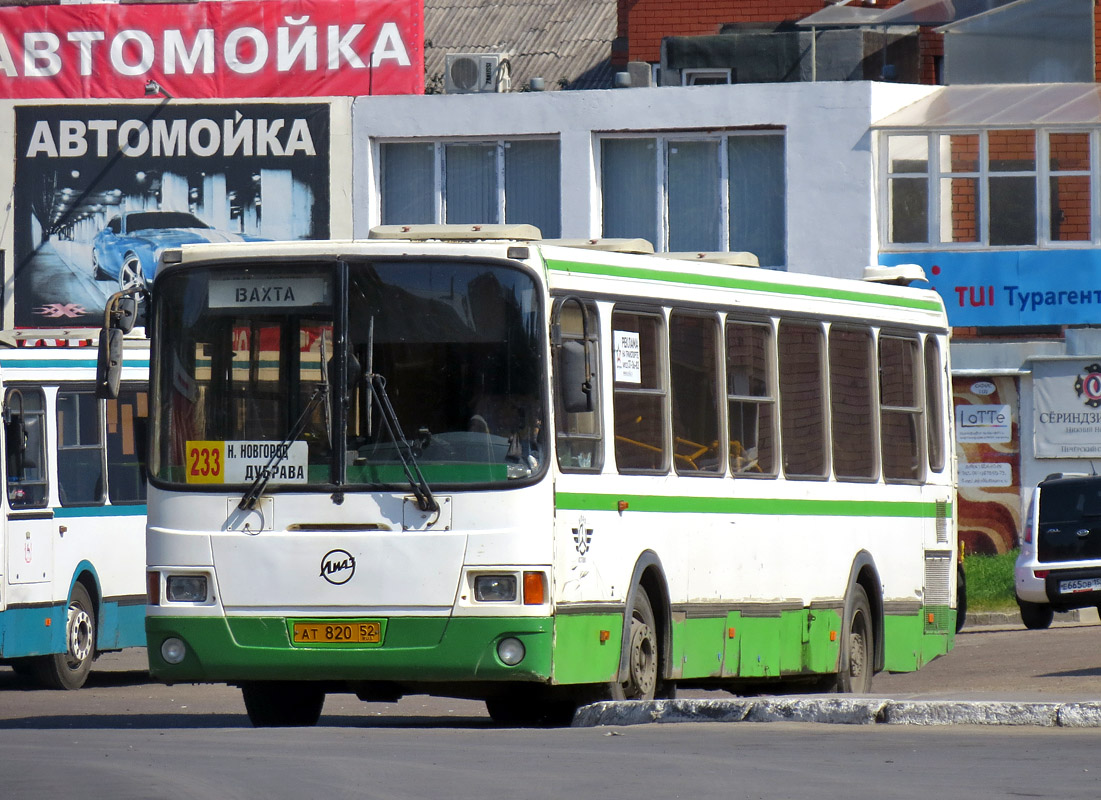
<point>641,680</point>
<point>69,670</point>
<point>857,664</point>
<point>283,704</point>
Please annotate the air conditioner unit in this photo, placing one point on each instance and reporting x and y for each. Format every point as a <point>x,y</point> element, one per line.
<point>476,72</point>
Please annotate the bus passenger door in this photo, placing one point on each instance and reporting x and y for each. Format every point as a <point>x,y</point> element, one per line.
<point>29,532</point>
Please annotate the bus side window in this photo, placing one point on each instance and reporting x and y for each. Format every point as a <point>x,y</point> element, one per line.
<point>900,400</point>
<point>127,438</point>
<point>934,403</point>
<point>79,449</point>
<point>750,402</point>
<point>694,380</point>
<point>852,399</point>
<point>25,448</point>
<point>640,403</point>
<point>579,439</point>
<point>802,400</point>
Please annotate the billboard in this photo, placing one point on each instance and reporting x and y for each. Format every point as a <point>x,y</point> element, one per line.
<point>1013,288</point>
<point>101,189</point>
<point>296,48</point>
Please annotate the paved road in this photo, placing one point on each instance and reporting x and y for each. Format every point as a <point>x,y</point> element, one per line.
<point>125,738</point>
<point>989,663</point>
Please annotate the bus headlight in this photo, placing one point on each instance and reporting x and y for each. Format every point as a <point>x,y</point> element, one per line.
<point>185,588</point>
<point>173,650</point>
<point>495,588</point>
<point>510,651</point>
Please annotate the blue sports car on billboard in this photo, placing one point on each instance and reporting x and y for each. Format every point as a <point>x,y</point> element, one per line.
<point>127,249</point>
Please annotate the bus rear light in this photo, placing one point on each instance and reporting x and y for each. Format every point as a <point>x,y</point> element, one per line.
<point>153,588</point>
<point>534,589</point>
<point>1041,573</point>
<point>185,588</point>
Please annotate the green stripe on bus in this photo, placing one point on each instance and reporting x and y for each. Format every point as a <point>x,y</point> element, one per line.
<point>724,282</point>
<point>578,501</point>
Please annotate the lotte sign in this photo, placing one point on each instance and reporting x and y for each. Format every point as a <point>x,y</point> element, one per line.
<point>300,48</point>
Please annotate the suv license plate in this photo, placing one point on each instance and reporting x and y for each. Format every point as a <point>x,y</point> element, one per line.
<point>1080,585</point>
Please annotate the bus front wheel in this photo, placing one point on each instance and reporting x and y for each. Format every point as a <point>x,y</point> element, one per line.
<point>69,670</point>
<point>283,704</point>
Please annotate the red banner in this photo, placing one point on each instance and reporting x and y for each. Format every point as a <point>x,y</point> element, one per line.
<point>298,48</point>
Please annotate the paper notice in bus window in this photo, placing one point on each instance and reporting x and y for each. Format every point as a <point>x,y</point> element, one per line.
<point>268,291</point>
<point>244,462</point>
<point>628,357</point>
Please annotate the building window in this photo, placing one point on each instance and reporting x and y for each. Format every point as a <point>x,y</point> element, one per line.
<point>704,77</point>
<point>705,193</point>
<point>998,188</point>
<point>487,181</point>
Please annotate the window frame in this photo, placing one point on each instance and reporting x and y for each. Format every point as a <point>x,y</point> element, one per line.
<point>917,413</point>
<point>63,449</point>
<point>770,399</point>
<point>718,342</point>
<point>662,141</point>
<point>661,391</point>
<point>936,173</point>
<point>439,173</point>
<point>591,310</point>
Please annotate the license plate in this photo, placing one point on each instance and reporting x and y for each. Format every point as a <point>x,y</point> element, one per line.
<point>1080,585</point>
<point>336,632</point>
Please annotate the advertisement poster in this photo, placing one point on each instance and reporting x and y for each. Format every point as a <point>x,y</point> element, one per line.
<point>1067,402</point>
<point>294,48</point>
<point>101,189</point>
<point>989,458</point>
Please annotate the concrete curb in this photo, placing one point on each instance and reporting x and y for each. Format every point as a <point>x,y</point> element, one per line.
<point>842,711</point>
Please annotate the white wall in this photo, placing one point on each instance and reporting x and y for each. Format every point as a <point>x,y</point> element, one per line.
<point>832,225</point>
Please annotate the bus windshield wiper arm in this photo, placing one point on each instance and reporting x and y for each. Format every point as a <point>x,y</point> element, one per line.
<point>254,491</point>
<point>413,474</point>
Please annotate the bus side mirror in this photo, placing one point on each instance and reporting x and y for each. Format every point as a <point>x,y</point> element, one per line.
<point>576,388</point>
<point>125,313</point>
<point>109,364</point>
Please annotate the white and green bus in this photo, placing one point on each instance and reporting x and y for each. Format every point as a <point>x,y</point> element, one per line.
<point>539,474</point>
<point>72,547</point>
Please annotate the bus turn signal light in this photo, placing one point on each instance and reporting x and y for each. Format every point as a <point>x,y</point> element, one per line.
<point>534,591</point>
<point>153,588</point>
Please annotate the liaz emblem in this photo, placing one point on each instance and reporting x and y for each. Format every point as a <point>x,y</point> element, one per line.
<point>582,537</point>
<point>338,566</point>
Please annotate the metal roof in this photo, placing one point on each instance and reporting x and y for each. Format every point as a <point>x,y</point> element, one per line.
<point>1002,105</point>
<point>557,40</point>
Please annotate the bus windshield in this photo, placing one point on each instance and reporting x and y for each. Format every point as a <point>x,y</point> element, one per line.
<point>288,368</point>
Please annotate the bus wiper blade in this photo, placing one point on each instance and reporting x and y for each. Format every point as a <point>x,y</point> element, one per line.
<point>248,501</point>
<point>413,474</point>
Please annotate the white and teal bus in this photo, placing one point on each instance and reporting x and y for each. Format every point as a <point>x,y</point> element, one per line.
<point>72,548</point>
<point>539,474</point>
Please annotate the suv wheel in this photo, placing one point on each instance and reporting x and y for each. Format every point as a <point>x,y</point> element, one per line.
<point>1036,616</point>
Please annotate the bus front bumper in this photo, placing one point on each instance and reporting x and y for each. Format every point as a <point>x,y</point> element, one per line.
<point>412,650</point>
